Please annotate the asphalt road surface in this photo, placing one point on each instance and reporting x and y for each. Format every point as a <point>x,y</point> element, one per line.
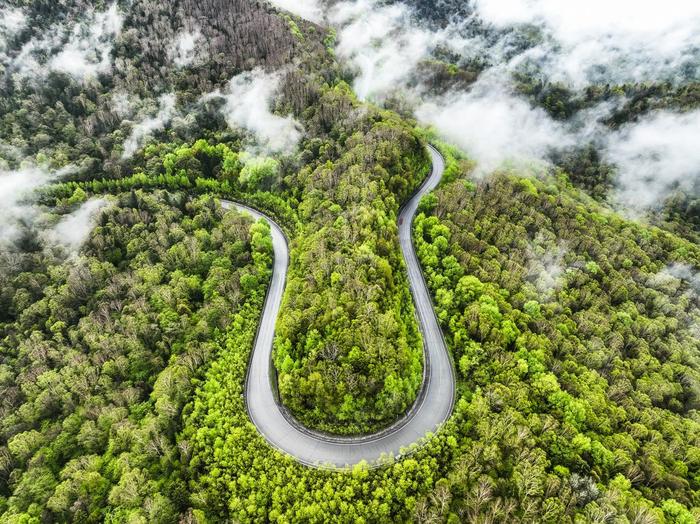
<point>434,403</point>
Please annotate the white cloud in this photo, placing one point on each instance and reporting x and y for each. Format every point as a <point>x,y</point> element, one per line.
<point>308,9</point>
<point>573,21</point>
<point>122,103</point>
<point>145,128</point>
<point>546,265</point>
<point>381,43</point>
<point>17,206</point>
<point>12,21</point>
<point>185,49</point>
<point>493,126</point>
<point>248,101</point>
<point>628,40</point>
<point>16,188</point>
<point>385,44</point>
<point>88,50</point>
<point>686,273</point>
<point>676,277</point>
<point>81,50</point>
<point>654,156</point>
<point>73,229</point>
<point>25,64</point>
<point>573,42</point>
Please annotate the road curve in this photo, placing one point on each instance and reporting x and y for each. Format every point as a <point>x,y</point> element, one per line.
<point>436,398</point>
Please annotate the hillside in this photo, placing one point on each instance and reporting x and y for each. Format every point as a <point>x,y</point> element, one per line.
<point>549,278</point>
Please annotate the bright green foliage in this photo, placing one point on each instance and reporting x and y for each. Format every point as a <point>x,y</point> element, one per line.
<point>100,362</point>
<point>348,350</point>
<point>237,476</point>
<point>123,371</point>
<point>572,357</point>
<point>259,173</point>
<point>568,323</point>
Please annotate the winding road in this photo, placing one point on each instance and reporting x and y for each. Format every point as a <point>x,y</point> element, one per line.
<point>435,400</point>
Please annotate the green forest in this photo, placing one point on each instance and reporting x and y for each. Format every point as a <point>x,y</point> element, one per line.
<point>348,351</point>
<point>573,325</point>
<point>102,355</point>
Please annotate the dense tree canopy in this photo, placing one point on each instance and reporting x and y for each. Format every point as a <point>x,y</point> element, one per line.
<point>574,331</point>
<point>104,350</point>
<point>348,351</point>
<point>581,329</point>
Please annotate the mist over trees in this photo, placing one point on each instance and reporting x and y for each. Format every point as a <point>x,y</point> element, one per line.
<point>597,372</point>
<point>564,76</point>
<point>130,300</point>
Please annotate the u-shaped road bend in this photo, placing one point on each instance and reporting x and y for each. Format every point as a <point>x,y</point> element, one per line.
<point>435,400</point>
